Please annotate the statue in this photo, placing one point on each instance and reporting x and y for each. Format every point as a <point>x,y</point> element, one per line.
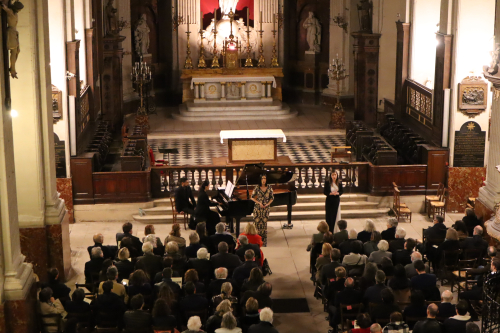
<point>141,35</point>
<point>227,5</point>
<point>313,27</point>
<point>13,34</point>
<point>495,59</point>
<point>365,16</point>
<point>110,20</point>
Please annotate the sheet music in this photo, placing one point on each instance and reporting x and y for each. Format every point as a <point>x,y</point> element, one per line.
<point>229,189</point>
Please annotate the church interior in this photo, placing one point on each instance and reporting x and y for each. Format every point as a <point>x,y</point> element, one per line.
<point>261,122</point>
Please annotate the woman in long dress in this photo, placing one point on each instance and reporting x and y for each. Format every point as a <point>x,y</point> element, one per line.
<point>263,196</point>
<point>333,190</point>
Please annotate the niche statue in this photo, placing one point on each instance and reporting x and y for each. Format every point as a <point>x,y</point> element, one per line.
<point>313,28</point>
<point>365,16</point>
<point>110,20</point>
<point>13,34</point>
<point>141,35</point>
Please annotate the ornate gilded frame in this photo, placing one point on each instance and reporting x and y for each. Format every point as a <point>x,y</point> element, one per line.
<point>472,96</point>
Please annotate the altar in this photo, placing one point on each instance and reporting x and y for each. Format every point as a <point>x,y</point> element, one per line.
<point>245,146</point>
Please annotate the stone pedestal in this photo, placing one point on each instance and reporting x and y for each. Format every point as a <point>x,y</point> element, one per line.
<point>338,119</point>
<point>112,83</point>
<point>312,80</point>
<point>366,59</point>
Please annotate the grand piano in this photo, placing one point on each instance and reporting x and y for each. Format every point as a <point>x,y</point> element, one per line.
<point>240,204</point>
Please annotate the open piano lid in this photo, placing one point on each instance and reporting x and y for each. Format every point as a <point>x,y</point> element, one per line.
<point>252,172</point>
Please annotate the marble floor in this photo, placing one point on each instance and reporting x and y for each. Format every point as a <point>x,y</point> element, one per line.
<point>286,253</point>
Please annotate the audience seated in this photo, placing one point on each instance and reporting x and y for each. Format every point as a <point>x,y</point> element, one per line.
<point>410,268</point>
<point>328,270</point>
<point>215,321</point>
<point>446,309</point>
<point>365,235</point>
<point>387,266</point>
<point>254,281</point>
<point>417,307</point>
<point>107,251</point>
<point>226,291</point>
<point>476,241</point>
<point>262,295</point>
<point>243,272</point>
<point>59,290</point>
<point>225,259</point>
<point>192,301</point>
<point>431,324</point>
<point>471,221</point>
<point>423,281</point>
<point>399,281</point>
<point>201,230</point>
<point>348,245</point>
<point>251,315</point>
<point>364,322</point>
<point>399,242</point>
<point>178,259</point>
<point>93,267</point>
<point>47,305</point>
<point>461,230</point>
<point>228,325</point>
<point>194,245</point>
<point>318,238</point>
<point>191,275</point>
<point>244,245</point>
<point>162,316</point>
<point>118,288</point>
<point>341,235</point>
<point>167,280</point>
<point>403,256</point>
<point>376,328</point>
<point>124,265</point>
<point>220,278</point>
<point>347,296</point>
<point>371,246</point>
<point>335,285</point>
<point>396,324</point>
<point>324,258</point>
<point>77,303</point>
<point>355,258</point>
<point>221,235</point>
<point>387,307</point>
<point>434,233</point>
<point>368,278</point>
<point>471,327</point>
<point>137,320</point>
<point>175,236</point>
<point>376,256</point>
<point>450,243</point>
<point>373,293</point>
<point>252,234</point>
<point>168,296</point>
<point>390,233</point>
<point>104,269</point>
<point>127,233</point>
<point>266,323</point>
<point>150,236</point>
<point>194,325</point>
<point>202,265</point>
<point>108,307</point>
<point>149,262</point>
<point>139,284</point>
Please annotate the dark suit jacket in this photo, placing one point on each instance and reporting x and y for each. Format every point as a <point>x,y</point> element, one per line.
<point>389,234</point>
<point>423,281</point>
<point>168,322</point>
<point>136,242</point>
<point>227,260</point>
<point>470,223</point>
<point>215,286</point>
<point>475,242</point>
<point>108,252</point>
<point>364,236</point>
<point>204,268</point>
<point>217,238</point>
<point>384,311</point>
<point>59,290</point>
<point>372,294</point>
<point>241,251</point>
<point>243,272</point>
<point>77,307</point>
<point>125,268</point>
<point>348,296</point>
<point>348,245</point>
<point>328,271</point>
<point>262,327</point>
<point>137,321</point>
<point>397,244</point>
<point>176,289</point>
<point>452,325</point>
<point>193,303</point>
<point>428,326</point>
<point>92,267</point>
<point>108,307</point>
<point>402,257</point>
<point>150,263</point>
<point>340,236</point>
<point>191,251</point>
<point>437,231</point>
<point>183,195</point>
<point>203,206</point>
<point>447,310</point>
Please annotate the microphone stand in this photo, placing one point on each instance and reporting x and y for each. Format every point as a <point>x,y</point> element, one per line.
<point>246,181</point>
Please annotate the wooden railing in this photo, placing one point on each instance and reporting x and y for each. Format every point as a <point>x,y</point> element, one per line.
<point>83,117</point>
<point>418,103</point>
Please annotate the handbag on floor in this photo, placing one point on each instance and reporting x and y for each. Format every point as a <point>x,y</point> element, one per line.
<point>266,270</point>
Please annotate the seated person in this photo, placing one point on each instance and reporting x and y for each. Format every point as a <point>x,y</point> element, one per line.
<point>254,281</point>
<point>184,198</point>
<point>451,243</point>
<point>225,259</point>
<point>471,221</point>
<point>194,325</point>
<point>178,259</point>
<point>201,230</point>
<point>387,308</point>
<point>435,233</point>
<point>94,266</point>
<point>162,316</point>
<point>476,241</point>
<point>149,262</point>
<point>222,236</point>
<point>203,212</point>
<point>214,322</point>
<point>399,242</point>
<point>371,246</point>
<point>399,281</point>
<point>457,323</point>
<point>365,235</point>
<point>341,235</point>
<point>262,295</point>
<point>390,233</point>
<point>461,230</point>
<point>59,290</point>
<point>328,270</point>
<point>250,315</point>
<point>50,306</point>
<point>108,251</point>
<point>139,284</point>
<point>387,266</point>
<point>77,304</point>
<point>167,280</point>
<point>431,324</point>
<point>355,258</point>
<point>472,328</point>
<point>410,268</point>
<point>175,236</point>
<point>318,238</point>
<point>244,245</point>
<point>396,324</point>
<point>403,256</point>
<point>324,259</point>
<point>266,323</point>
<point>364,322</point>
<point>226,291</point>
<point>192,302</point>
<point>242,272</point>
<point>374,293</point>
<point>220,277</point>
<point>383,251</point>
<point>202,265</point>
<point>417,307</point>
<point>228,324</point>
<point>446,309</point>
<point>252,234</point>
<point>137,320</point>
<point>108,307</point>
<point>118,288</point>
<point>128,233</point>
<point>194,245</point>
<point>423,280</point>
<point>335,285</point>
<point>368,278</point>
<point>192,276</point>
<point>128,244</point>
<point>347,245</point>
<point>348,296</point>
<point>150,236</point>
<point>124,265</point>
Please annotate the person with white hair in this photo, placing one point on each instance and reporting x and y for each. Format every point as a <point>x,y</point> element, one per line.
<point>108,251</point>
<point>365,235</point>
<point>410,268</point>
<point>149,262</point>
<point>446,309</point>
<point>352,244</point>
<point>202,265</point>
<point>383,251</point>
<point>244,245</point>
<point>215,286</point>
<point>399,242</point>
<point>150,236</point>
<point>194,325</point>
<point>390,233</point>
<point>476,241</point>
<point>266,323</point>
<point>376,328</point>
<point>94,266</point>
<point>194,245</point>
<point>222,236</point>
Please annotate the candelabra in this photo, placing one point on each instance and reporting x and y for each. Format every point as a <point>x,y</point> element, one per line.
<point>248,62</point>
<point>274,58</point>
<point>188,64</point>
<point>215,59</point>
<point>262,60</point>
<point>337,72</point>
<point>176,20</point>
<point>340,22</point>
<point>141,79</point>
<point>201,60</point>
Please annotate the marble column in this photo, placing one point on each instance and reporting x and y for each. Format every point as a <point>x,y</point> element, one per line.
<point>263,89</point>
<point>202,90</point>
<point>223,91</point>
<point>42,215</point>
<point>243,91</point>
<point>123,7</point>
<point>196,91</point>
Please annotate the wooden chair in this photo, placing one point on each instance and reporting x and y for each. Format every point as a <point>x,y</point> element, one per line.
<point>403,305</point>
<point>437,197</point>
<point>402,296</point>
<point>400,211</point>
<point>438,207</point>
<point>463,273</point>
<point>475,254</point>
<point>175,213</point>
<point>449,263</point>
<point>340,151</point>
<point>349,312</point>
<point>395,187</point>
<point>90,287</point>
<point>46,327</point>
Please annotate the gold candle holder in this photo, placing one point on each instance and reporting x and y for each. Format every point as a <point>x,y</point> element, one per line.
<point>201,59</point>
<point>188,64</point>
<point>248,62</point>
<point>262,60</point>
<point>215,59</point>
<point>274,58</point>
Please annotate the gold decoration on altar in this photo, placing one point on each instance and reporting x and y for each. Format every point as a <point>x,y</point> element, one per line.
<point>262,60</point>
<point>274,58</point>
<point>201,59</point>
<point>231,47</point>
<point>188,64</point>
<point>215,59</point>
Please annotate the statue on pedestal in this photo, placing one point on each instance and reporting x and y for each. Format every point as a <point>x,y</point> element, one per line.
<point>365,16</point>
<point>13,34</point>
<point>141,35</point>
<point>227,5</point>
<point>110,20</point>
<point>313,27</point>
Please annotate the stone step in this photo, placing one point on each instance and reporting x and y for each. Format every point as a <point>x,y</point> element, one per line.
<point>235,106</point>
<point>225,113</point>
<point>246,112</point>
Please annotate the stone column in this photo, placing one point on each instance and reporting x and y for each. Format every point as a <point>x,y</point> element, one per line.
<point>263,90</point>
<point>123,7</point>
<point>202,90</point>
<point>44,233</point>
<point>223,91</point>
<point>269,86</point>
<point>243,91</point>
<point>196,91</point>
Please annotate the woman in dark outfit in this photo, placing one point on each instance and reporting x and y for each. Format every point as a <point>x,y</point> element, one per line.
<point>333,190</point>
<point>202,211</point>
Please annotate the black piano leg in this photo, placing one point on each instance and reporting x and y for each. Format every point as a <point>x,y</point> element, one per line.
<point>229,221</point>
<point>289,225</point>
<point>238,220</point>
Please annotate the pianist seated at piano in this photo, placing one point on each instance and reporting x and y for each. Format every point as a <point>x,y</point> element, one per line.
<point>183,196</point>
<point>202,212</point>
<point>263,197</point>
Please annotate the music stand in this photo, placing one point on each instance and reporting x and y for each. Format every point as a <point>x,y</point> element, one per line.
<point>168,151</point>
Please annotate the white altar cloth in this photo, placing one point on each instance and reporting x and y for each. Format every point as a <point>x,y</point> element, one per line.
<point>232,78</point>
<point>252,134</point>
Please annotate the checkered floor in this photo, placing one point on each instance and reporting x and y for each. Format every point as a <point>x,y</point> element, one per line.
<point>200,151</point>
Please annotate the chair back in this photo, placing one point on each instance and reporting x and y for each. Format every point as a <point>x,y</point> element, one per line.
<point>475,254</point>
<point>172,202</point>
<point>397,201</point>
<point>451,258</point>
<point>440,191</point>
<point>49,320</point>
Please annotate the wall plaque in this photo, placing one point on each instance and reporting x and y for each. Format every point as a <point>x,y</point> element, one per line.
<point>472,94</point>
<point>60,149</point>
<point>469,146</point>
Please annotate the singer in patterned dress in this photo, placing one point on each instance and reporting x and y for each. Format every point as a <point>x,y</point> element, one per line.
<point>263,196</point>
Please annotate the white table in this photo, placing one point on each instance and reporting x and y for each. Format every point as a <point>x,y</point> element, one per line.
<point>252,145</point>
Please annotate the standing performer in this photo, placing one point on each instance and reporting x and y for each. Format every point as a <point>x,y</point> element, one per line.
<point>202,212</point>
<point>263,196</point>
<point>333,190</point>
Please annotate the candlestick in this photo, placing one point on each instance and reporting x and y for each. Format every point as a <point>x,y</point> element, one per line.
<point>201,21</point>
<point>188,64</point>
<point>215,20</point>
<point>274,58</point>
<point>260,20</point>
<point>248,62</point>
<point>215,59</point>
<point>201,59</point>
<point>262,60</point>
<point>274,21</point>
<point>188,23</point>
